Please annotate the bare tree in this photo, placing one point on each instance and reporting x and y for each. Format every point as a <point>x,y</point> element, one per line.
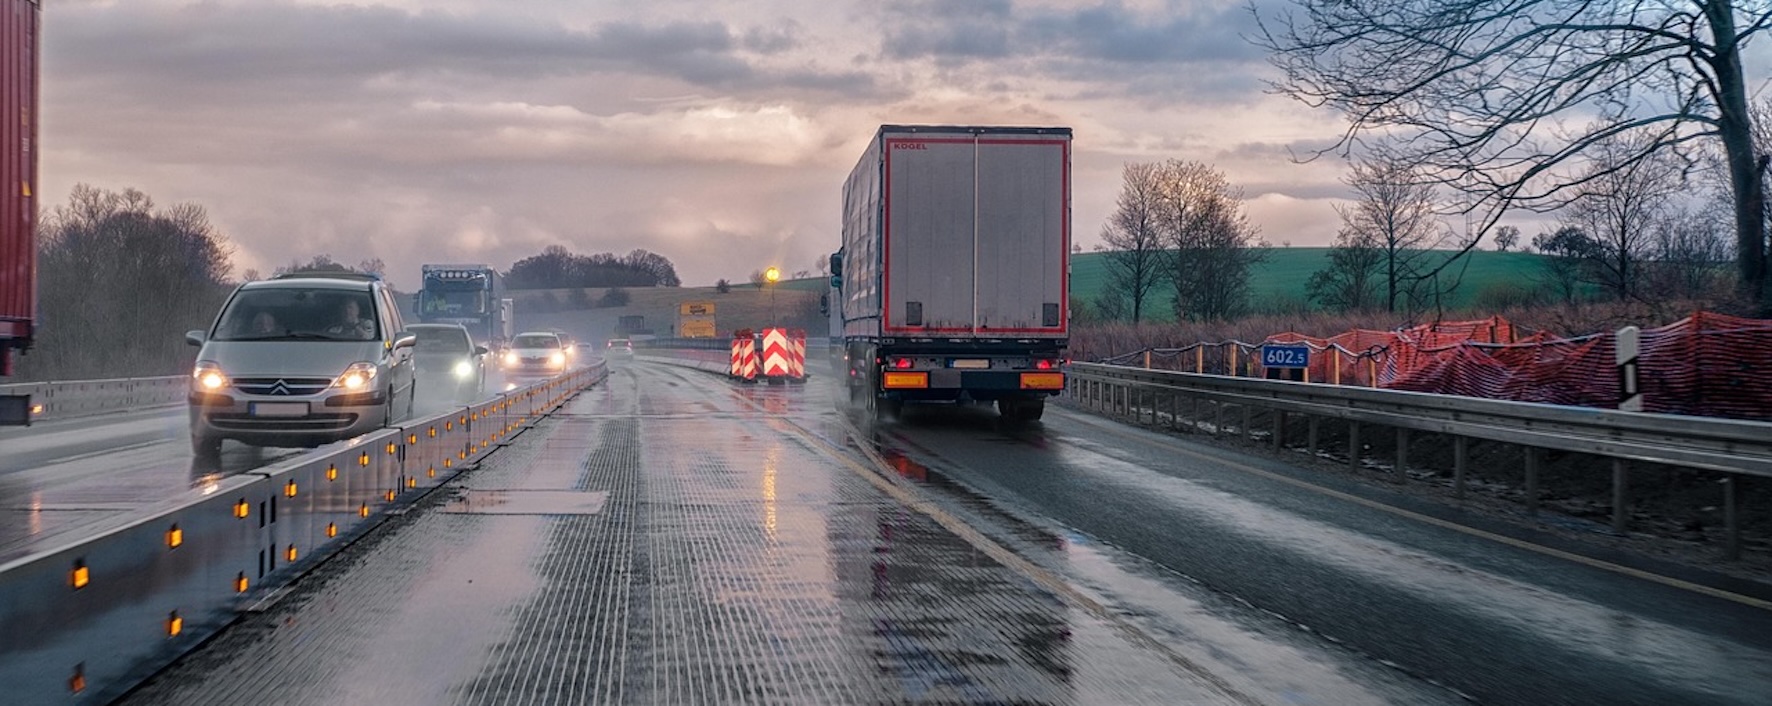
<point>1133,242</point>
<point>1567,252</point>
<point>1350,282</point>
<point>117,275</point>
<point>1622,202</point>
<point>1506,237</point>
<point>1506,101</point>
<point>1395,213</point>
<point>1210,241</point>
<point>1691,256</point>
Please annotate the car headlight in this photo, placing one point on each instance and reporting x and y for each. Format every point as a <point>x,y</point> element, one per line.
<point>464,370</point>
<point>356,377</point>
<point>557,359</point>
<point>208,377</point>
<point>510,358</point>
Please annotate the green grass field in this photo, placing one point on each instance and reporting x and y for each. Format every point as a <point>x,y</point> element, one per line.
<point>1278,283</point>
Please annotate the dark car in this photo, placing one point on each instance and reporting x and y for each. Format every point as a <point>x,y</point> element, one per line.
<point>450,366</point>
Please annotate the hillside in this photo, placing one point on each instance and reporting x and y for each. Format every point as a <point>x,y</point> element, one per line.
<point>1279,282</point>
<point>745,306</point>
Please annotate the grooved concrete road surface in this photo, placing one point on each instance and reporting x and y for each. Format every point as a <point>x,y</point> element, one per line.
<point>673,538</point>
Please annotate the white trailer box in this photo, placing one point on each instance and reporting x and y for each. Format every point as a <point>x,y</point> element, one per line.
<point>956,263</point>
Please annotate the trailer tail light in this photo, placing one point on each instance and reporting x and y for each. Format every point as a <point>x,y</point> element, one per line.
<point>1044,365</point>
<point>901,363</point>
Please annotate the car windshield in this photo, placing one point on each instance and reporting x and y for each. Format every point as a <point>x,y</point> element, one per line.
<point>297,313</point>
<point>441,340</point>
<point>537,341</point>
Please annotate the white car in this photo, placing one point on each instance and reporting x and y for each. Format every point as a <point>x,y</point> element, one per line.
<point>534,354</point>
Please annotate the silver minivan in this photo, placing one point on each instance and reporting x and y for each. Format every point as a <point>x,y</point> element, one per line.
<point>301,360</point>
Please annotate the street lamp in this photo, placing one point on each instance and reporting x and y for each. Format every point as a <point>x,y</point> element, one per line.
<point>770,277</point>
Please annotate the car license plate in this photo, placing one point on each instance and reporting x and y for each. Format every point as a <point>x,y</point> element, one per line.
<point>972,364</point>
<point>279,409</point>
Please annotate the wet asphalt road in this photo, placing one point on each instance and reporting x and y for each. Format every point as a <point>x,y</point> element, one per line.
<point>1496,622</point>
<point>62,479</point>
<point>734,543</point>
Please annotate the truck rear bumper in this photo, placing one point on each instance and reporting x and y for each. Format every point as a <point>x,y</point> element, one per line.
<point>969,384</point>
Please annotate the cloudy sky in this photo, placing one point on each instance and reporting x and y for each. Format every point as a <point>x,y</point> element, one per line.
<point>715,133</point>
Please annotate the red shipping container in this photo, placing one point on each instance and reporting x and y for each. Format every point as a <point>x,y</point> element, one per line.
<point>19,36</point>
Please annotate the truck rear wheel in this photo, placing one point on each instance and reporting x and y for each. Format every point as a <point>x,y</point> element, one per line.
<point>1022,410</point>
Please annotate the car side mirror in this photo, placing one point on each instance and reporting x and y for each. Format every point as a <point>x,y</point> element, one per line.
<point>480,350</point>
<point>404,340</point>
<point>195,338</point>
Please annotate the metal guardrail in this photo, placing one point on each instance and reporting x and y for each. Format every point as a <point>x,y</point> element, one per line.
<point>64,399</point>
<point>87,619</point>
<point>1734,447</point>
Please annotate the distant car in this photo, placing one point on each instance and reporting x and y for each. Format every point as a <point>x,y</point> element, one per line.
<point>537,353</point>
<point>301,360</point>
<point>568,345</point>
<point>449,361</point>
<point>618,349</point>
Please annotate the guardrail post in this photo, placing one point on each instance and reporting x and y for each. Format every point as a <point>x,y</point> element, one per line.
<point>1532,458</point>
<point>1402,454</point>
<point>1193,419</point>
<point>1620,496</point>
<point>1353,445</point>
<point>1217,418</point>
<point>1248,423</point>
<point>1461,456</point>
<point>1313,423</point>
<point>1279,429</point>
<point>1731,520</point>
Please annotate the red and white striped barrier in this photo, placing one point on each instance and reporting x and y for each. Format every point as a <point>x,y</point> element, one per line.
<point>744,355</point>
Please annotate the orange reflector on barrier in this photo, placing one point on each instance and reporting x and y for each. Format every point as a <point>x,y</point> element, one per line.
<point>412,482</point>
<point>363,511</point>
<point>389,496</point>
<point>241,509</point>
<point>332,473</point>
<point>391,448</point>
<point>364,459</point>
<point>331,529</point>
<point>174,624</point>
<point>449,463</point>
<point>174,537</point>
<point>1042,381</point>
<point>77,683</point>
<point>289,490</point>
<point>290,554</point>
<point>81,575</point>
<point>906,381</point>
<point>431,472</point>
<point>411,438</point>
<point>433,432</point>
<point>240,583</point>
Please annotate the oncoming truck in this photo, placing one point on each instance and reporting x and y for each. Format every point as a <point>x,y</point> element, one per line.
<point>953,278</point>
<point>470,295</point>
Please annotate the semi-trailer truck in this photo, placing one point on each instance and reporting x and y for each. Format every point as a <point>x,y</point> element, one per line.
<point>955,267</point>
<point>470,295</point>
<point>19,33</point>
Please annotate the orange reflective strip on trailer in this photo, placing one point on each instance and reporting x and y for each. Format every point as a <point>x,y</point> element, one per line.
<point>904,381</point>
<point>1042,381</point>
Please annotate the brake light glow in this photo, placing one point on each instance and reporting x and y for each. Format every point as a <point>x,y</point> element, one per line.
<point>1043,365</point>
<point>902,363</point>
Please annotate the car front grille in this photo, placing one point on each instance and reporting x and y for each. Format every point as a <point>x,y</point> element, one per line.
<point>315,422</point>
<point>282,387</point>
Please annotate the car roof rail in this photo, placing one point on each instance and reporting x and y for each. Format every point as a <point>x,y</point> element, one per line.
<point>330,274</point>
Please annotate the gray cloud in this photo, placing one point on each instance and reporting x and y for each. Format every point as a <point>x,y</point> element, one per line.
<point>343,45</point>
<point>1183,54</point>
